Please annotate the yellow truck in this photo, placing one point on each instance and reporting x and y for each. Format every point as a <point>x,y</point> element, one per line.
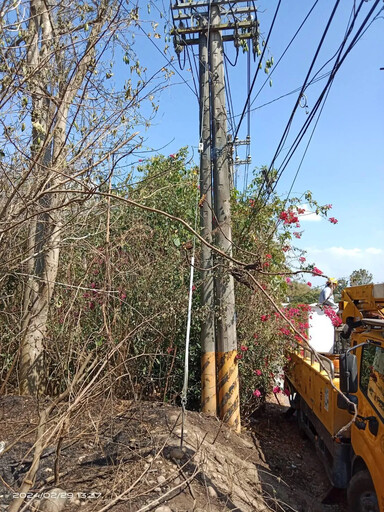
<point>339,398</point>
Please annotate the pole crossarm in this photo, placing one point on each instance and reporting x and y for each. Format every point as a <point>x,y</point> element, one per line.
<point>189,20</point>
<point>188,5</point>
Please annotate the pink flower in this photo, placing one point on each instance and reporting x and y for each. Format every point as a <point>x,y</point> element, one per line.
<point>266,264</point>
<point>309,284</point>
<point>123,295</point>
<point>239,356</point>
<point>328,206</point>
<point>258,372</point>
<point>276,390</point>
<point>257,393</point>
<point>332,315</point>
<point>193,288</point>
<point>286,248</point>
<point>297,234</point>
<point>264,318</point>
<point>268,256</point>
<point>302,259</point>
<point>332,220</point>
<point>243,348</point>
<point>172,156</point>
<point>288,280</point>
<point>317,271</point>
<point>255,336</point>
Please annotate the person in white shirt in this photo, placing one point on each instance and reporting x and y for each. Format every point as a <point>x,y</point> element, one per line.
<point>326,297</point>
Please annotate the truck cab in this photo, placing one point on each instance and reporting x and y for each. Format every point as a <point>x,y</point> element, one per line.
<point>339,396</point>
<point>364,379</point>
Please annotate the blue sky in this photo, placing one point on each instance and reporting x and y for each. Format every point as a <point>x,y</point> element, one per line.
<point>343,165</point>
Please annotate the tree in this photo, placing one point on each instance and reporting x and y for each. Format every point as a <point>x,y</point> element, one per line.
<point>64,128</point>
<point>360,277</point>
<point>302,293</point>
<point>342,282</point>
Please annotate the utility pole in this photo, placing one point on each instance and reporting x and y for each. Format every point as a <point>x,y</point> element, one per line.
<point>226,337</point>
<point>208,351</point>
<point>200,22</point>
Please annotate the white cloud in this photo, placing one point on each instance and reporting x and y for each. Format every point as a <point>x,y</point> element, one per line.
<point>342,261</point>
<point>373,250</point>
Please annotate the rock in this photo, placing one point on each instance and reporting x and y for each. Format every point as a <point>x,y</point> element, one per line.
<point>221,469</point>
<point>176,453</point>
<point>161,479</point>
<point>164,508</point>
<point>54,501</point>
<point>212,492</point>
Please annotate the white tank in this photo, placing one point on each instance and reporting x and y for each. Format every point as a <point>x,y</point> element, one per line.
<point>321,331</point>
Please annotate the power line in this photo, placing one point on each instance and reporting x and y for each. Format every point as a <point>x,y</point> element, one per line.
<point>258,67</point>
<point>340,59</point>
<point>338,63</point>
<point>285,51</point>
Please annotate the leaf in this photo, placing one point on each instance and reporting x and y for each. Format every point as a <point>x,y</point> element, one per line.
<point>176,241</point>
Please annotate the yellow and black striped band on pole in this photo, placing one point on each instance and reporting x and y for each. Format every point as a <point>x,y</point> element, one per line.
<point>208,383</point>
<point>228,388</point>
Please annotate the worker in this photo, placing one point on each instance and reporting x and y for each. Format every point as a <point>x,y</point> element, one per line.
<point>326,297</point>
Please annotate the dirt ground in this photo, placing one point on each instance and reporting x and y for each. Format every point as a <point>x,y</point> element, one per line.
<point>137,457</point>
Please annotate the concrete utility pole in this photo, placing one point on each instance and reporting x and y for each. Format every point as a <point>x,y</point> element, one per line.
<point>208,356</point>
<point>204,19</point>
<point>226,337</point>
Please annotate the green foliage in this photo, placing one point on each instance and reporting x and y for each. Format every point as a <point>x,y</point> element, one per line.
<point>301,293</point>
<point>360,277</point>
<point>126,286</point>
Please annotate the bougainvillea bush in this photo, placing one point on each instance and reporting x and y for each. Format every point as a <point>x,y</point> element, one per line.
<point>121,296</point>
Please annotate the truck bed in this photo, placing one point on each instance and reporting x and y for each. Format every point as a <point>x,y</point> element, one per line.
<point>313,384</point>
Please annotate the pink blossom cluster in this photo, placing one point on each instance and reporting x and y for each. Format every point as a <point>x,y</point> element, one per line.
<point>333,316</point>
<point>289,217</point>
<point>332,220</point>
